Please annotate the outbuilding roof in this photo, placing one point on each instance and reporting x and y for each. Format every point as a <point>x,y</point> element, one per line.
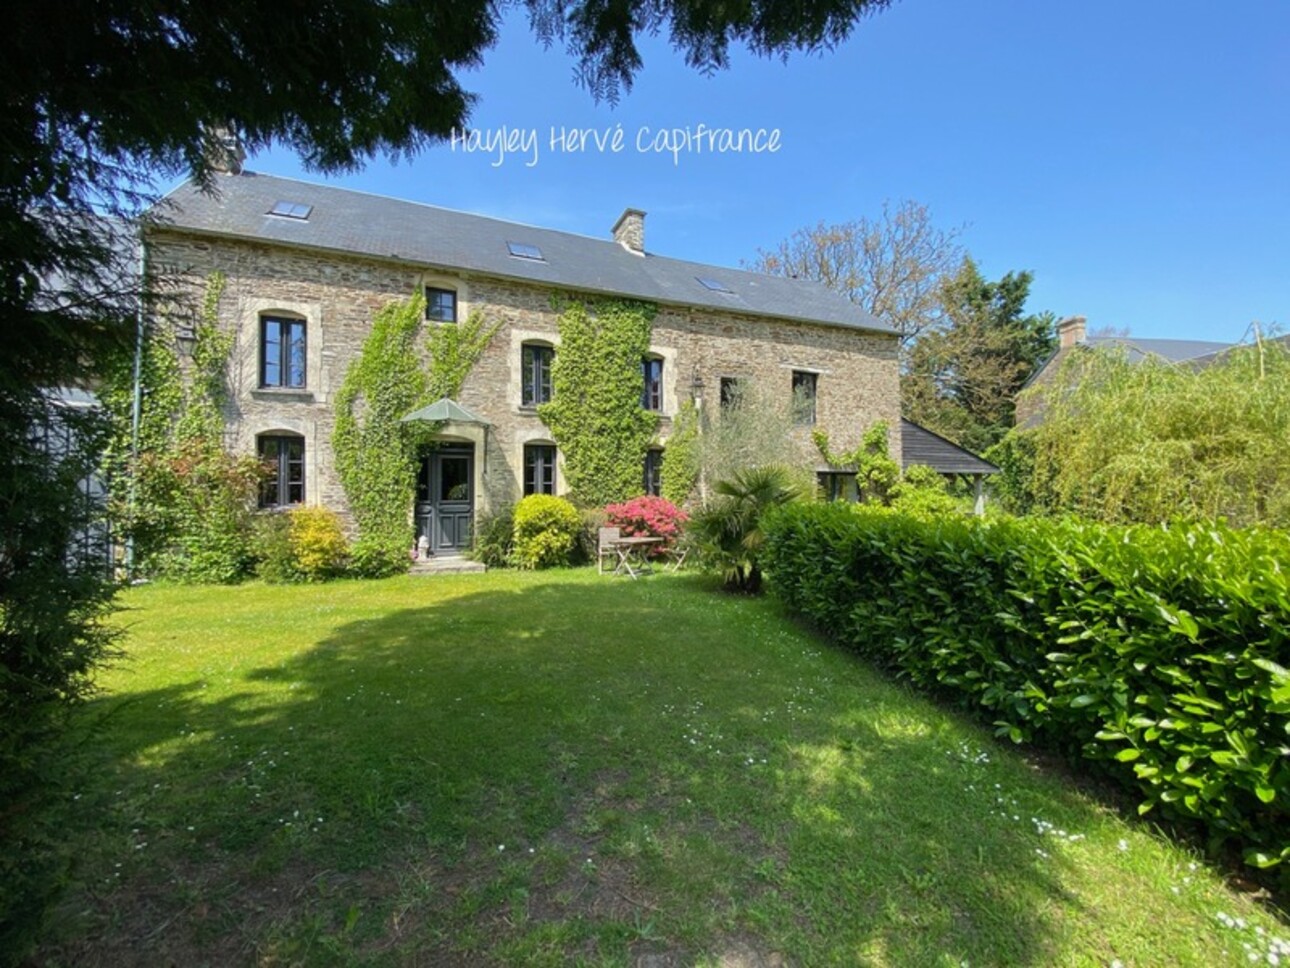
<point>295,213</point>
<point>918,445</point>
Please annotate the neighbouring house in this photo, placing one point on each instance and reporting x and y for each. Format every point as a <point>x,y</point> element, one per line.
<point>1072,336</point>
<point>308,266</point>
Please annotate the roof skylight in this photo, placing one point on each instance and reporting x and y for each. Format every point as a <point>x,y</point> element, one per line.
<point>716,285</point>
<point>296,210</point>
<point>522,250</point>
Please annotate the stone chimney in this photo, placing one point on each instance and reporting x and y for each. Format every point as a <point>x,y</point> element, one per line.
<point>629,230</point>
<point>1070,331</point>
<point>224,151</point>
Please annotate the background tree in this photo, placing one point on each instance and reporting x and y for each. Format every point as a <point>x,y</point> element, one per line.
<point>1151,441</point>
<point>963,376</point>
<point>892,266</point>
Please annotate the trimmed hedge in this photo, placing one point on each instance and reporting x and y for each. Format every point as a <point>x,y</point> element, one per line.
<point>1158,654</point>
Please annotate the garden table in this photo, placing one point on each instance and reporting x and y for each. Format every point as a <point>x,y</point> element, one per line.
<point>633,549</point>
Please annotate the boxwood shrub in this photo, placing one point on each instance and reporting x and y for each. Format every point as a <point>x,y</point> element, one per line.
<point>545,531</point>
<point>1157,654</point>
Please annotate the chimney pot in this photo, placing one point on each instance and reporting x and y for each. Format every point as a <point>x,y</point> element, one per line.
<point>1070,331</point>
<point>629,230</point>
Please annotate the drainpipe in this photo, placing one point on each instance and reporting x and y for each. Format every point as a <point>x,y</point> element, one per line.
<point>136,406</point>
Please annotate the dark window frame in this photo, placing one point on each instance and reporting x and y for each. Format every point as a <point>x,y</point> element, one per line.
<point>810,381</point>
<point>653,482</point>
<point>539,469</point>
<point>652,386</point>
<point>292,330</point>
<point>731,391</point>
<point>434,308</point>
<point>536,362</point>
<point>837,485</point>
<point>282,488</point>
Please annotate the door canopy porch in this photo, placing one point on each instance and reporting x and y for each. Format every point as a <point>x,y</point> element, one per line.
<point>445,410</point>
<point>457,423</point>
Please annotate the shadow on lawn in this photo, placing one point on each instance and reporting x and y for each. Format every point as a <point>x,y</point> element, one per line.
<point>433,782</point>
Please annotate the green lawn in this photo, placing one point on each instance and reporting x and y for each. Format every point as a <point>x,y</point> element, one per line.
<point>563,768</point>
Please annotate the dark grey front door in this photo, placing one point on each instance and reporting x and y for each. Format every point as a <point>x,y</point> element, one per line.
<point>445,508</point>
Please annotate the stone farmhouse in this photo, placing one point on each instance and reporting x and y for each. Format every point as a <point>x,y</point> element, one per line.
<point>308,266</point>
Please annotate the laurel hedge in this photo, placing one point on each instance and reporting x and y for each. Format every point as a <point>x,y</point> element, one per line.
<point>1157,654</point>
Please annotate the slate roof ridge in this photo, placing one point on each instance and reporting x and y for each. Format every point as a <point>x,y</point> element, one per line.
<point>394,231</point>
<point>509,222</point>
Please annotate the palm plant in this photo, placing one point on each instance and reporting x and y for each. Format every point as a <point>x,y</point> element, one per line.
<point>728,530</point>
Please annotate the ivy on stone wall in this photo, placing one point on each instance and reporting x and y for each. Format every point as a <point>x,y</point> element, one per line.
<point>681,459</point>
<point>376,453</point>
<point>184,501</point>
<point>453,350</point>
<point>595,414</point>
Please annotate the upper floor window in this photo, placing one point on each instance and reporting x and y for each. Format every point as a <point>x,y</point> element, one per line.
<point>441,305</point>
<point>654,472</point>
<point>284,459</point>
<point>539,469</point>
<point>732,392</point>
<point>282,352</point>
<point>652,391</point>
<point>804,387</point>
<point>535,374</point>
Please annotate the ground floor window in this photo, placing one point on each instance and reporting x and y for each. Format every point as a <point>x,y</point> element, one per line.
<point>653,471</point>
<point>284,459</point>
<point>838,485</point>
<point>539,469</point>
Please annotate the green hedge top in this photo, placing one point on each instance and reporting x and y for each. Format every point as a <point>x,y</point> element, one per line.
<point>1158,653</point>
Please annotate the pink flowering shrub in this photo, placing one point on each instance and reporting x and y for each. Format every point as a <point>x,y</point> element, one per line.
<point>648,516</point>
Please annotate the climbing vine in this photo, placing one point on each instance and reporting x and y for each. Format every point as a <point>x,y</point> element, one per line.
<point>595,413</point>
<point>453,351</point>
<point>376,453</point>
<point>876,471</point>
<point>183,500</point>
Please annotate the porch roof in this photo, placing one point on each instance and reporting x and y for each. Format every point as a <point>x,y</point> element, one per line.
<point>445,409</point>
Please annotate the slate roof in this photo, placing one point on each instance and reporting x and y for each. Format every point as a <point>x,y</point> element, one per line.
<point>918,445</point>
<point>1173,350</point>
<point>343,220</point>
<point>1197,352</point>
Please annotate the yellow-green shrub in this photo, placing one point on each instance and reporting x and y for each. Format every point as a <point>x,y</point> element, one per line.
<point>546,530</point>
<point>305,544</point>
<point>317,543</point>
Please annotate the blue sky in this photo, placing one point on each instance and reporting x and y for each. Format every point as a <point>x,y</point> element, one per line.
<point>1134,155</point>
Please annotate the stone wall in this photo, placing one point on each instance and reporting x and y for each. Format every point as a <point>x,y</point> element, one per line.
<point>338,295</point>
